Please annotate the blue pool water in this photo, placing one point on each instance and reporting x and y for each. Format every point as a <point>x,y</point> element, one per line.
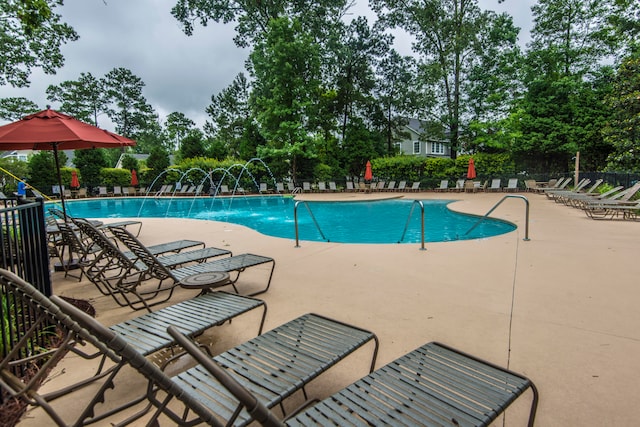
<point>344,222</point>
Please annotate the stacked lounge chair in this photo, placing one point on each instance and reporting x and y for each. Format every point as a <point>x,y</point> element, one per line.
<point>146,334</point>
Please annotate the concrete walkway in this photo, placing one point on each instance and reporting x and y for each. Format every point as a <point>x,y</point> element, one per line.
<point>561,308</point>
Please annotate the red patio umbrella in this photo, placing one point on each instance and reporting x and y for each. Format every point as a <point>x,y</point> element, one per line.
<point>74,180</point>
<point>51,130</point>
<point>134,178</point>
<point>368,174</point>
<point>471,170</point>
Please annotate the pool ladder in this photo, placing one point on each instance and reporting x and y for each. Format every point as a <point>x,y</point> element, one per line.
<point>406,226</point>
<point>295,220</point>
<point>526,224</point>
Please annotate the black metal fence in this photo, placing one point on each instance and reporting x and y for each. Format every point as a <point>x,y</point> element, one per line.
<point>23,241</point>
<point>613,178</point>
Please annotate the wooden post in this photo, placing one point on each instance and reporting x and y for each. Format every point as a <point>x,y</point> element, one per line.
<point>576,175</point>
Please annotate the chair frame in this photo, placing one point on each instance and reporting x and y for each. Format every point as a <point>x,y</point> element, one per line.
<point>146,334</point>
<point>276,365</point>
<point>234,264</point>
<point>432,385</point>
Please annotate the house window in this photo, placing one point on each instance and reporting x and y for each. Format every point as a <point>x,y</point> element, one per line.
<point>416,147</point>
<point>437,148</point>
<point>398,146</point>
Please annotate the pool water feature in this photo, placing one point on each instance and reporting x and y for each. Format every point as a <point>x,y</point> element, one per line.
<point>381,221</point>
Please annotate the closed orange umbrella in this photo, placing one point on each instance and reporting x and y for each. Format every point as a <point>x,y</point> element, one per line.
<point>134,178</point>
<point>74,180</point>
<point>368,174</point>
<point>471,170</point>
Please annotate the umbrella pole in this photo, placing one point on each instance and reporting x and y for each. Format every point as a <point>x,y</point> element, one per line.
<point>55,156</point>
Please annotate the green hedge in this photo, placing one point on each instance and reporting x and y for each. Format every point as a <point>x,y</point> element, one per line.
<point>430,170</point>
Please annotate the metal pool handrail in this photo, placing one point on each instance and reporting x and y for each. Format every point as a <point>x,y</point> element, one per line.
<point>406,226</point>
<point>295,220</point>
<point>526,226</point>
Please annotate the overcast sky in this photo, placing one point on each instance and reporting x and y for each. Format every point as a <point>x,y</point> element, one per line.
<point>180,72</point>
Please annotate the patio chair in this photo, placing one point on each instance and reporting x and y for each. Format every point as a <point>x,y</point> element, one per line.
<point>581,200</point>
<point>306,186</point>
<point>433,385</point>
<point>263,188</point>
<point>234,264</point>
<point>444,186</point>
<point>512,185</point>
<point>102,192</point>
<point>495,185</point>
<point>280,187</point>
<point>391,186</point>
<point>554,194</point>
<point>622,198</point>
<point>402,186</point>
<point>82,193</point>
<point>415,186</point>
<point>470,186</point>
<point>332,186</point>
<point>275,365</point>
<point>559,185</point>
<point>322,186</point>
<point>349,187</point>
<point>530,185</point>
<point>566,197</point>
<point>117,190</point>
<point>86,249</point>
<point>624,210</point>
<point>99,224</point>
<point>46,327</point>
<point>123,276</point>
<point>459,186</point>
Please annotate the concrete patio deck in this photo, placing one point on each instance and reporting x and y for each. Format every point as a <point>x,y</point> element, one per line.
<point>561,308</point>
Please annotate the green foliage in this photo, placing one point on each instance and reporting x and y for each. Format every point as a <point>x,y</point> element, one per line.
<point>323,172</point>
<point>177,127</point>
<point>232,128</point>
<point>129,108</point>
<point>90,163</point>
<point>460,49</point>
<point>42,171</point>
<point>31,36</point>
<point>13,109</point>
<point>410,168</point>
<point>85,98</point>
<point>192,145</point>
<point>157,161</point>
<point>129,162</point>
<point>15,167</point>
<point>430,170</point>
<point>287,68</point>
<point>115,176</point>
<point>623,133</point>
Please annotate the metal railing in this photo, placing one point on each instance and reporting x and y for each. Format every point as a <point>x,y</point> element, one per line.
<point>406,226</point>
<point>23,242</point>
<point>526,226</point>
<point>295,220</point>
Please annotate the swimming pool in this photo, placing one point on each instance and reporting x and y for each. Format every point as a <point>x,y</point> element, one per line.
<point>382,221</point>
